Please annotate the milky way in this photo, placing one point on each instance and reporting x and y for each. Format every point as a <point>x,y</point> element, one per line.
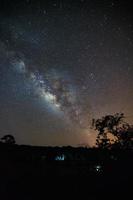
<point>55,88</point>
<point>63,63</point>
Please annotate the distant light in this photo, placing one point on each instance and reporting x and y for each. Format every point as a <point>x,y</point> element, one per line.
<point>98,168</point>
<point>60,158</point>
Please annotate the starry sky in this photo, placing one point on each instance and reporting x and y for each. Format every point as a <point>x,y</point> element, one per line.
<point>62,63</point>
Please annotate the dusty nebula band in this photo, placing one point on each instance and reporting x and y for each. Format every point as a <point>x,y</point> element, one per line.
<point>56,89</point>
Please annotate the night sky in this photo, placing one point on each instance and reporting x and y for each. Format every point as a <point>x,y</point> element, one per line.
<point>63,63</point>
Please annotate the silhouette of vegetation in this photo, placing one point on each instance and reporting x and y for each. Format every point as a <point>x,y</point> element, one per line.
<point>27,170</point>
<point>8,139</point>
<point>121,132</point>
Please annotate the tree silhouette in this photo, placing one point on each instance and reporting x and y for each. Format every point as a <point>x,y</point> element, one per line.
<point>125,136</point>
<point>121,131</point>
<point>8,139</point>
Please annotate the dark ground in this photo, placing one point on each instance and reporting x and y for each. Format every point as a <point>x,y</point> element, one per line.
<point>24,175</point>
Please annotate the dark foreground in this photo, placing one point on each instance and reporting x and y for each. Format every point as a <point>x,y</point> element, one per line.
<point>42,173</point>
